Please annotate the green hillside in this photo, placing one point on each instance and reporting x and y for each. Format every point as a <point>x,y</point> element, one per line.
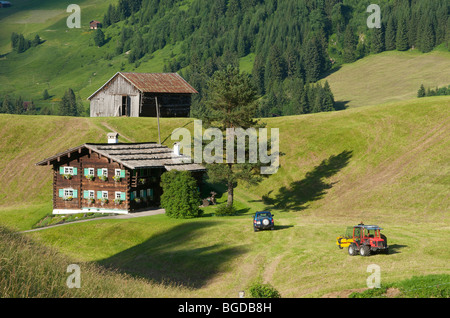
<point>384,164</point>
<point>388,76</point>
<point>279,43</point>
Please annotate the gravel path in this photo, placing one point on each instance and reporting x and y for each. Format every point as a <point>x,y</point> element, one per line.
<point>119,216</point>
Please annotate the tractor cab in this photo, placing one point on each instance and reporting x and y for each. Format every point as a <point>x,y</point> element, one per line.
<point>363,239</point>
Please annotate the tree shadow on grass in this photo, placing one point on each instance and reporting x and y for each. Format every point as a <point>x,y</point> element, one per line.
<point>169,257</point>
<point>341,105</point>
<point>312,188</point>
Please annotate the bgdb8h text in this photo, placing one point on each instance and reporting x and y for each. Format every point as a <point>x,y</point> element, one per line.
<point>247,307</point>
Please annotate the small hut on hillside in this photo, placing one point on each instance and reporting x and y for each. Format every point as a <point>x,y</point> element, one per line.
<point>94,25</point>
<point>139,95</point>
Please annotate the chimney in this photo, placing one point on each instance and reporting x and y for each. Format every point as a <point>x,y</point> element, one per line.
<point>113,138</point>
<point>176,149</point>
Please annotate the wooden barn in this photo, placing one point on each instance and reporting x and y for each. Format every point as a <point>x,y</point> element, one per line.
<point>113,177</point>
<point>139,95</point>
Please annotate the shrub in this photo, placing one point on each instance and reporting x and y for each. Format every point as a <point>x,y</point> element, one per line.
<point>180,198</point>
<point>259,290</point>
<point>225,210</point>
<point>435,285</point>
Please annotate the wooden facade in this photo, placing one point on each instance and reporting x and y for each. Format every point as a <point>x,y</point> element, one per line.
<point>139,94</point>
<point>104,177</point>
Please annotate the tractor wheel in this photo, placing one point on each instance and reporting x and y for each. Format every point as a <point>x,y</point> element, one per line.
<point>352,249</point>
<point>364,250</point>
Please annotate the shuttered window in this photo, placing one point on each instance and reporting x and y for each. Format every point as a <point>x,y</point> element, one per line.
<point>89,171</point>
<point>66,193</point>
<point>102,172</point>
<point>89,194</point>
<point>68,170</point>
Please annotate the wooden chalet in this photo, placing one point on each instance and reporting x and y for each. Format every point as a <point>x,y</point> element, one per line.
<point>94,25</point>
<point>113,177</point>
<point>139,95</point>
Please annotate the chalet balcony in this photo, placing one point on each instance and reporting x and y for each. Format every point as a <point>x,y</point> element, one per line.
<point>142,181</point>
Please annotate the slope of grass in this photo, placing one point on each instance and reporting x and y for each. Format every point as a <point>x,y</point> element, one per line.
<point>389,76</point>
<point>384,164</point>
<point>30,270</point>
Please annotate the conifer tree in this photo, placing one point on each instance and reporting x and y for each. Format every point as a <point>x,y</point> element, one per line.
<point>421,92</point>
<point>377,40</point>
<point>390,35</point>
<point>68,105</point>
<point>350,43</point>
<point>426,34</point>
<point>19,106</point>
<point>328,102</point>
<point>402,36</point>
<point>99,38</point>
<point>36,41</point>
<point>45,95</point>
<point>312,61</point>
<point>258,74</point>
<point>231,100</point>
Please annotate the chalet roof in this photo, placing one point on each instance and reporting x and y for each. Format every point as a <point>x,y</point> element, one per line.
<point>154,83</point>
<point>134,156</point>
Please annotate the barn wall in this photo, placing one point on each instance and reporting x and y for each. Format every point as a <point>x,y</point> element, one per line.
<point>108,101</point>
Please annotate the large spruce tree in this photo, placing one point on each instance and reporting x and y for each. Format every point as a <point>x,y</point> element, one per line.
<point>231,101</point>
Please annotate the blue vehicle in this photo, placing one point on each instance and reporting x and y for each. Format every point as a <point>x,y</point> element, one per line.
<point>263,221</point>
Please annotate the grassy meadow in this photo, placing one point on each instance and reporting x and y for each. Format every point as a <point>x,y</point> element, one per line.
<point>385,164</point>
<point>389,76</point>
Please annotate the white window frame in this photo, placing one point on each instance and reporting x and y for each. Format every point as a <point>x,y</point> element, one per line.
<point>91,194</point>
<point>104,194</point>
<point>68,193</point>
<point>91,172</point>
<point>118,195</point>
<point>105,172</point>
<point>68,170</point>
<point>117,172</point>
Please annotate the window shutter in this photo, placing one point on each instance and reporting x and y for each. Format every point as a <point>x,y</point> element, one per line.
<point>61,193</point>
<point>86,171</point>
<point>99,172</point>
<point>123,196</point>
<point>99,194</point>
<point>86,194</point>
<point>75,171</point>
<point>75,194</point>
<point>61,170</point>
<point>122,173</point>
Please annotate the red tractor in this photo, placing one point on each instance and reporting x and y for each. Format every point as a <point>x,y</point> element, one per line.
<point>367,239</point>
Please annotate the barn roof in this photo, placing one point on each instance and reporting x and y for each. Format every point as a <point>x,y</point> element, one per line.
<point>134,156</point>
<point>154,83</point>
